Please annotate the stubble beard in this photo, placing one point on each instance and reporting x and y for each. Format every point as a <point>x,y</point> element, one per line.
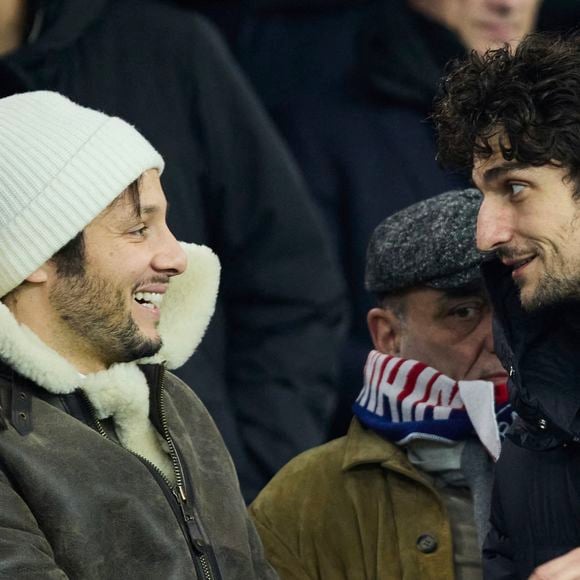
<point>96,311</point>
<point>552,289</point>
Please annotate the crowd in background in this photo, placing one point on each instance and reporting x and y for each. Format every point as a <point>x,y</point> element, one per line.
<point>290,133</point>
<point>350,86</point>
<point>286,150</point>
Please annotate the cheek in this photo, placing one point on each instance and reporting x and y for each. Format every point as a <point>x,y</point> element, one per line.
<point>432,352</point>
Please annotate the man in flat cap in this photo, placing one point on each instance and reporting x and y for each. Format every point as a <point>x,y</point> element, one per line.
<point>405,494</point>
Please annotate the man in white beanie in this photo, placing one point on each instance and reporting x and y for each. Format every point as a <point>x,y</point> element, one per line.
<point>110,467</point>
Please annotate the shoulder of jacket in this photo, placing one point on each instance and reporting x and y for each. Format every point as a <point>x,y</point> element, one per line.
<point>292,487</point>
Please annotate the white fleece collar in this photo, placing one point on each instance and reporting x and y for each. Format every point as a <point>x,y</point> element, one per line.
<point>121,391</point>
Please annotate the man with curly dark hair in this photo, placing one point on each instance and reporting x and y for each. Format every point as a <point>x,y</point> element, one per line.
<point>512,118</point>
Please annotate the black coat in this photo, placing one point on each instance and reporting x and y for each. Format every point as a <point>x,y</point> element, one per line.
<point>536,501</point>
<point>265,370</point>
<point>368,150</point>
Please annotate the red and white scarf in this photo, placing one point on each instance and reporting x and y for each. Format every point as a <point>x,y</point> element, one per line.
<point>404,399</point>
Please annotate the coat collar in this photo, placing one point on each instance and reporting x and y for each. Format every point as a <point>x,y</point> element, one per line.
<point>365,447</point>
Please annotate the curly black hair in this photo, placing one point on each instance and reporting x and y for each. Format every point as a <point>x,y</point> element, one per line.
<point>528,97</point>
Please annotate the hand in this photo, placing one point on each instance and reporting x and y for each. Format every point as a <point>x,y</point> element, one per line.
<point>566,567</point>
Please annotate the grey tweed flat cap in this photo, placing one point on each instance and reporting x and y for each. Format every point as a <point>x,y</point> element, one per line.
<point>430,243</point>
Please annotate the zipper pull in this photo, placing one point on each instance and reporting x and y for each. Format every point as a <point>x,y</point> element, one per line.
<point>179,493</point>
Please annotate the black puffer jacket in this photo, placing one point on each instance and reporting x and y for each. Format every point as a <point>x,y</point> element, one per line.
<point>536,504</point>
<point>266,369</point>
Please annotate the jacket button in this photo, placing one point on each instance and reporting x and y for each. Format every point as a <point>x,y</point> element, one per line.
<point>426,543</point>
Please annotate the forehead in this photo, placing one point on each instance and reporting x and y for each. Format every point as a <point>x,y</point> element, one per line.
<point>143,197</point>
<point>487,171</point>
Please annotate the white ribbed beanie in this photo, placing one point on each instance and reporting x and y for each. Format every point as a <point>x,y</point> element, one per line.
<point>60,166</point>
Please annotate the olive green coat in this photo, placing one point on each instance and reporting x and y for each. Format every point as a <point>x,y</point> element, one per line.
<point>354,509</point>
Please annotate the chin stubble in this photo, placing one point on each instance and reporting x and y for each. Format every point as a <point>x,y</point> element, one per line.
<point>96,311</point>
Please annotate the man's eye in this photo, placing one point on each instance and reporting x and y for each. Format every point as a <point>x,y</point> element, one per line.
<point>516,188</point>
<point>465,312</point>
<point>140,231</point>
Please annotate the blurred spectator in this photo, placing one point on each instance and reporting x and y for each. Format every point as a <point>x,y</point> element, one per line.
<point>289,48</point>
<point>368,149</point>
<point>266,369</point>
<point>406,493</point>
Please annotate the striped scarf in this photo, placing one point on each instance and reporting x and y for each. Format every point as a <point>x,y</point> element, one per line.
<point>403,400</point>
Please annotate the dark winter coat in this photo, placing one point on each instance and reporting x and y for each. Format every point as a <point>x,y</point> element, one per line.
<point>367,149</point>
<point>76,503</point>
<point>266,368</point>
<point>536,503</point>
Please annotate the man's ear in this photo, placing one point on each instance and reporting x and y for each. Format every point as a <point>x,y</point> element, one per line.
<point>385,329</point>
<point>39,275</point>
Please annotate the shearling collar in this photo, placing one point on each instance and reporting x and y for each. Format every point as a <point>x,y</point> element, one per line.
<point>121,391</point>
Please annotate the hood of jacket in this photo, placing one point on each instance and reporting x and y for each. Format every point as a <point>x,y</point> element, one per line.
<point>401,55</point>
<point>540,351</point>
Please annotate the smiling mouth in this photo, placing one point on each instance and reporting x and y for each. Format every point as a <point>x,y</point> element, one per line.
<point>150,300</point>
<point>519,265</point>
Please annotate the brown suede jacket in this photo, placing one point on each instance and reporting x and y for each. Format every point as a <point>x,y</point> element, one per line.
<point>354,509</point>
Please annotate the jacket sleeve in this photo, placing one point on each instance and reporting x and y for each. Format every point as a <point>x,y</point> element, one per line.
<point>24,550</point>
<point>497,556</point>
<point>284,297</point>
<point>263,567</point>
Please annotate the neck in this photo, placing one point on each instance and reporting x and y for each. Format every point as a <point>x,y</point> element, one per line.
<point>13,18</point>
<point>30,307</point>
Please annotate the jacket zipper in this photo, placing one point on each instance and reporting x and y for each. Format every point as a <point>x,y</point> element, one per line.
<point>181,494</point>
<point>201,561</point>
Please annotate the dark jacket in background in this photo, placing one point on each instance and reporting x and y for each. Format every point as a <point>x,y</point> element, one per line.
<point>289,48</point>
<point>266,368</point>
<point>536,503</point>
<point>368,150</point>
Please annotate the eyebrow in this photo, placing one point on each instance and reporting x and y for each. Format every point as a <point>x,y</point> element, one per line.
<point>148,209</point>
<point>151,209</point>
<point>494,173</point>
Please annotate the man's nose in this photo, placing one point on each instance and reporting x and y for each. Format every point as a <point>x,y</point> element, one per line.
<point>494,225</point>
<point>171,259</point>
